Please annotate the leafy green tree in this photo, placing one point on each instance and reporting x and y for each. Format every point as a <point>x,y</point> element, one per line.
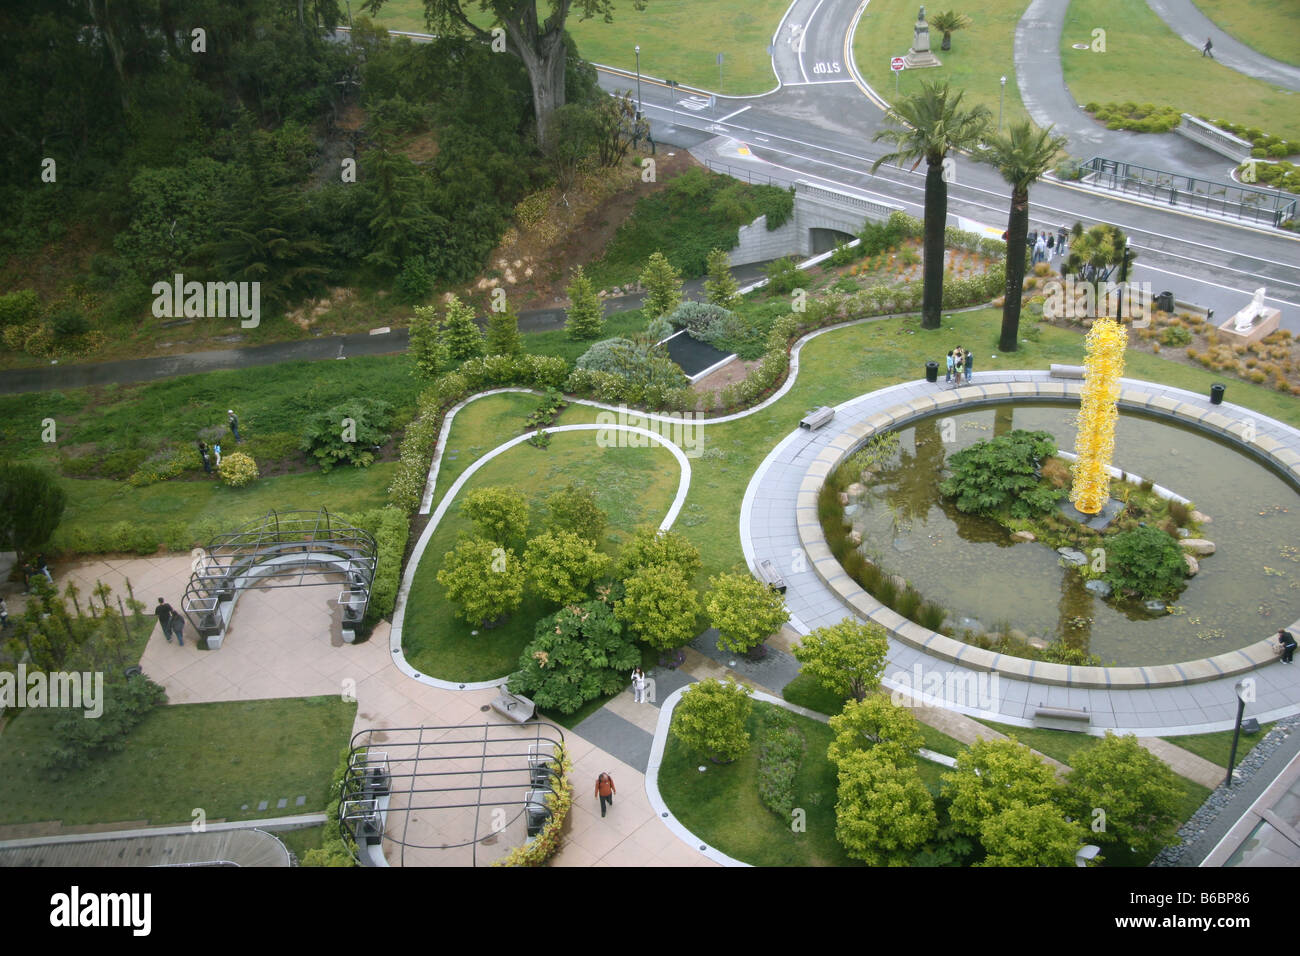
<point>573,508</point>
<point>585,316</point>
<point>503,336</point>
<point>1031,836</point>
<point>659,606</point>
<point>663,285</point>
<point>929,125</point>
<point>875,723</point>
<point>648,546</point>
<point>617,128</point>
<point>463,336</point>
<point>1022,157</point>
<point>31,507</point>
<point>348,433</point>
<point>1094,254</point>
<point>721,287</point>
<point>992,775</point>
<point>577,655</point>
<point>744,610</point>
<point>499,513</point>
<point>846,658</point>
<point>562,566</point>
<point>427,346</point>
<point>710,717</point>
<point>948,23</point>
<point>574,139</point>
<point>398,195</point>
<point>1137,791</point>
<point>1145,560</point>
<point>485,580</point>
<point>1000,476</point>
<point>884,812</point>
<point>76,741</point>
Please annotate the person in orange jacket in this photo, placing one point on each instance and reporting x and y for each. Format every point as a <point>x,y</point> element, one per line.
<point>605,790</point>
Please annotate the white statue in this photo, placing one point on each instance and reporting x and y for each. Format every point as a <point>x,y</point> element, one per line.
<point>1246,317</point>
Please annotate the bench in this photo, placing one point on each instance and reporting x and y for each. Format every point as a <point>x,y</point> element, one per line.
<point>769,575</point>
<point>1062,718</point>
<point>513,706</point>
<point>1066,371</point>
<point>815,420</point>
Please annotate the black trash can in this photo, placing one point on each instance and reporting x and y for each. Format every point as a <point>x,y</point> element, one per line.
<point>1165,302</point>
<point>1216,394</point>
<point>932,371</point>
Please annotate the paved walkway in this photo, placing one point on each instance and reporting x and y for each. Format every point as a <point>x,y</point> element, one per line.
<point>240,847</point>
<point>1192,25</point>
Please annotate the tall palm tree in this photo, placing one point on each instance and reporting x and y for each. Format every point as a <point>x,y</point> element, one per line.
<point>927,125</point>
<point>1021,156</point>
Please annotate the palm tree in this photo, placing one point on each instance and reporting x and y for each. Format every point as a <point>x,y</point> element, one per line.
<point>949,23</point>
<point>927,125</point>
<point>1021,156</point>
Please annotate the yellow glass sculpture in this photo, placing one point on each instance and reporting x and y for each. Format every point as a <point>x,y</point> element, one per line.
<point>1095,441</point>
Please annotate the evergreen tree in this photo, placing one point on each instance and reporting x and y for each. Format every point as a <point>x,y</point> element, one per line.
<point>503,336</point>
<point>721,287</point>
<point>427,347</point>
<point>663,286</point>
<point>586,316</point>
<point>462,334</point>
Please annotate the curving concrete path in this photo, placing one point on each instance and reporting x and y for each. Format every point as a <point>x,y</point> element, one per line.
<point>1183,17</point>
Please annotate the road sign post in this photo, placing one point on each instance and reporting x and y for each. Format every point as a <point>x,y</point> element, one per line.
<point>896,64</point>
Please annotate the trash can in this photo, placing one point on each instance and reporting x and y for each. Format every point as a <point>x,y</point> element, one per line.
<point>1216,394</point>
<point>932,371</point>
<point>1165,302</point>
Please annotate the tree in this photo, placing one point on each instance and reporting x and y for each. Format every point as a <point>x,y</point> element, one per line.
<point>348,433</point>
<point>585,316</point>
<point>561,566</point>
<point>397,193</point>
<point>721,286</point>
<point>499,513</point>
<point>845,658</point>
<point>992,775</point>
<point>577,654</point>
<point>659,606</point>
<point>616,127</point>
<point>485,580</point>
<point>1022,156</point>
<point>540,45</point>
<point>573,138</point>
<point>427,347</point>
<point>928,126</point>
<point>875,724</point>
<point>31,507</point>
<point>744,610</point>
<point>663,286</point>
<point>1095,254</point>
<point>573,508</point>
<point>884,812</point>
<point>503,336</point>
<point>711,716</point>
<point>1137,791</point>
<point>1031,836</point>
<point>948,23</point>
<point>649,546</point>
<point>462,334</point>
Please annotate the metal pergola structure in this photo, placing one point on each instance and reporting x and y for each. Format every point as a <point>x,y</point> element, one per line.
<point>280,550</point>
<point>500,774</point>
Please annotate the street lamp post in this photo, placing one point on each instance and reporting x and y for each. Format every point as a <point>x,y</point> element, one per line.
<point>637,48</point>
<point>1001,96</point>
<point>1240,687</point>
<point>1123,282</point>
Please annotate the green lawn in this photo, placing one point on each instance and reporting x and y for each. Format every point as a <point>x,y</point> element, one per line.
<point>1060,745</point>
<point>980,54</point>
<point>679,39</point>
<point>218,757</point>
<point>301,840</point>
<point>1146,62</point>
<point>634,486</point>
<point>1216,747</point>
<point>1268,26</point>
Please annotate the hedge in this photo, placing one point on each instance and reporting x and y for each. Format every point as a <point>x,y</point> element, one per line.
<point>547,843</point>
<point>332,851</point>
<point>390,527</point>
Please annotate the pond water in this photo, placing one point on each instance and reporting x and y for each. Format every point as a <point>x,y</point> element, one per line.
<point>1244,592</point>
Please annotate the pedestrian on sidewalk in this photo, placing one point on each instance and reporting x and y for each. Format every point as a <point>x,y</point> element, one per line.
<point>605,790</point>
<point>1207,51</point>
<point>950,364</point>
<point>164,614</point>
<point>970,364</point>
<point>1040,250</point>
<point>638,685</point>
<point>234,424</point>
<point>1288,645</point>
<point>178,627</point>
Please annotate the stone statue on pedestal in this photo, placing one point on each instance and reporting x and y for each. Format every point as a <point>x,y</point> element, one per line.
<point>1247,316</point>
<point>919,55</point>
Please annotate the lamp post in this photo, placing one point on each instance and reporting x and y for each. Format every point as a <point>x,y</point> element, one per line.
<point>1243,690</point>
<point>1123,281</point>
<point>1001,96</point>
<point>637,49</point>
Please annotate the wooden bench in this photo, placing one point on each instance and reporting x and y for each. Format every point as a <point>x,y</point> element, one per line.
<point>1062,718</point>
<point>769,575</point>
<point>815,420</point>
<point>513,706</point>
<point>1066,371</point>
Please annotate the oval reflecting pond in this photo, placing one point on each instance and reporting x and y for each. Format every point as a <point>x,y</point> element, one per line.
<point>1248,589</point>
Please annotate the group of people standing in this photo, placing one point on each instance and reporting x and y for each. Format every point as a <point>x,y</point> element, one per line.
<point>1048,245</point>
<point>960,361</point>
<point>212,457</point>
<point>34,568</point>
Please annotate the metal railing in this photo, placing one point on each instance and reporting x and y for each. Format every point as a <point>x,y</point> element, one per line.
<point>1225,200</point>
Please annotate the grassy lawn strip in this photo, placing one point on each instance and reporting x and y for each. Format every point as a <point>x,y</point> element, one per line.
<point>1217,747</point>
<point>1146,62</point>
<point>981,53</point>
<point>679,39</point>
<point>301,840</point>
<point>217,756</point>
<point>1265,25</point>
<point>633,486</point>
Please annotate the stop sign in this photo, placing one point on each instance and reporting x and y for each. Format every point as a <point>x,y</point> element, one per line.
<point>896,64</point>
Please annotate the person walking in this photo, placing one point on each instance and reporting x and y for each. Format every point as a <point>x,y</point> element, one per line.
<point>605,790</point>
<point>1288,645</point>
<point>203,454</point>
<point>638,685</point>
<point>216,453</point>
<point>1062,238</point>
<point>44,568</point>
<point>164,614</point>
<point>233,419</point>
<point>970,364</point>
<point>1208,49</point>
<point>178,627</point>
<point>950,364</point>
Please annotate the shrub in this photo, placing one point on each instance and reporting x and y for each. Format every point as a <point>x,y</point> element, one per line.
<point>561,566</point>
<point>697,316</point>
<point>710,717</point>
<point>349,433</point>
<point>68,322</point>
<point>415,282</point>
<point>783,276</point>
<point>390,547</point>
<point>76,741</point>
<point>578,654</point>
<point>780,753</point>
<point>164,465</point>
<point>997,476</point>
<point>585,317</point>
<point>659,606</point>
<point>18,309</point>
<point>606,356</point>
<point>1175,335</point>
<point>744,610</point>
<point>499,513</point>
<point>237,469</point>
<point>1145,560</point>
<point>485,580</point>
<point>659,329</point>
